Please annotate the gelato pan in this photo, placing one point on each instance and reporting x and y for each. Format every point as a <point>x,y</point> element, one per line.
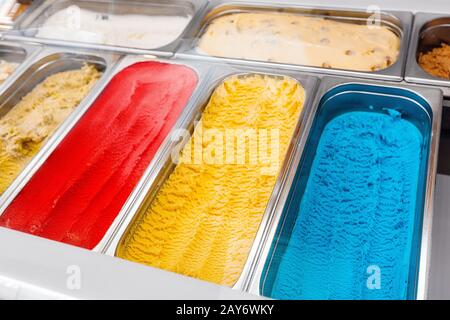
<point>299,39</point>
<point>203,219</point>
<point>429,51</point>
<point>129,30</point>
<point>76,194</point>
<point>25,127</point>
<point>437,61</point>
<point>10,10</point>
<point>351,227</point>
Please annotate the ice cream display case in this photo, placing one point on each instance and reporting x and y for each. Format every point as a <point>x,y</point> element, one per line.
<point>220,149</point>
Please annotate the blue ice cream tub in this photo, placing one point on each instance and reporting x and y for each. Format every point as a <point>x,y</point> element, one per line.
<point>353,220</point>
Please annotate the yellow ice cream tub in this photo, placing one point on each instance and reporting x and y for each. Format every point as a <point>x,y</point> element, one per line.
<point>204,218</point>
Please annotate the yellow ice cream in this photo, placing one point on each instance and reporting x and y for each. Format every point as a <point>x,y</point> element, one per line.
<point>303,40</point>
<point>27,125</point>
<point>204,218</point>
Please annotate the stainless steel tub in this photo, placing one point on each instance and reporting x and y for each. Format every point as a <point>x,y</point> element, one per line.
<point>423,107</point>
<point>429,31</point>
<point>29,24</point>
<point>397,21</point>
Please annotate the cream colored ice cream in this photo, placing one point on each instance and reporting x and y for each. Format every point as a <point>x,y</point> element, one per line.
<point>26,126</point>
<point>130,30</point>
<point>6,69</point>
<point>311,41</point>
<point>204,218</point>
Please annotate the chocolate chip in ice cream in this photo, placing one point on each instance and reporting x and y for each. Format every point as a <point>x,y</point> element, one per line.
<point>349,52</point>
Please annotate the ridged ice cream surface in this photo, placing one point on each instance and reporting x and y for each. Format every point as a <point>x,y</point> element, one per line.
<point>298,39</point>
<point>203,220</point>
<point>80,189</point>
<point>356,218</point>
<point>25,128</point>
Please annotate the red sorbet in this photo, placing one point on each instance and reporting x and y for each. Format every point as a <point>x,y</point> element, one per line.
<point>80,189</point>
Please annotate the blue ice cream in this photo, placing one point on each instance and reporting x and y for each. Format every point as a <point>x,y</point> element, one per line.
<point>356,217</point>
